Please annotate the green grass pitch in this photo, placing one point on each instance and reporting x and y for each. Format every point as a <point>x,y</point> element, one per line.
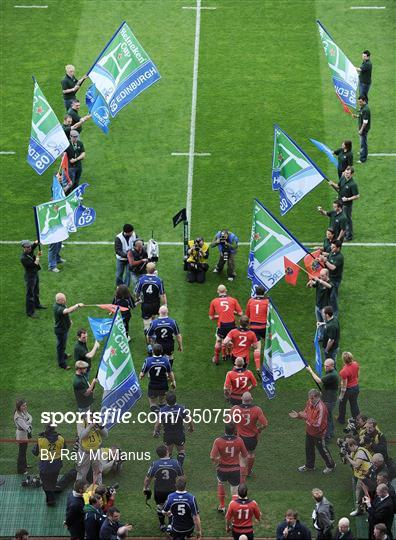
<point>260,62</point>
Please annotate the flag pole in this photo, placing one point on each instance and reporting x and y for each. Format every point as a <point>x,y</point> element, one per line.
<point>37,227</point>
<point>105,47</point>
<point>107,340</point>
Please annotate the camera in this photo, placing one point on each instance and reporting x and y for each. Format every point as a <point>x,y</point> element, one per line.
<point>344,451</point>
<point>223,237</point>
<point>110,490</point>
<point>31,481</point>
<point>351,427</point>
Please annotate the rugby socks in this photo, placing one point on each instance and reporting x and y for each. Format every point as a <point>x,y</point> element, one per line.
<point>217,350</point>
<point>256,356</point>
<point>243,474</point>
<point>180,458</point>
<point>221,495</point>
<point>161,517</point>
<point>250,463</point>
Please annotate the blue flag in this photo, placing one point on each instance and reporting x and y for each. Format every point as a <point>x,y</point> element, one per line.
<point>100,327</point>
<point>318,354</point>
<point>57,190</point>
<point>98,108</point>
<point>323,148</point>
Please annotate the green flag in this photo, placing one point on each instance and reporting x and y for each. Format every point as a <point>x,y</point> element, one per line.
<point>123,70</point>
<point>344,74</point>
<point>294,174</point>
<point>270,243</point>
<point>117,374</point>
<point>281,355</point>
<point>56,219</point>
<point>47,138</point>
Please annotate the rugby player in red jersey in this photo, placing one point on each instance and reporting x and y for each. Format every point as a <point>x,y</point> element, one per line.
<point>241,514</point>
<point>250,422</point>
<point>242,339</point>
<point>223,310</point>
<point>237,381</point>
<point>256,310</point>
<point>228,454</point>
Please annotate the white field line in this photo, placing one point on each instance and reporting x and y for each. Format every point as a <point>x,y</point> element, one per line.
<point>31,7</point>
<point>7,153</point>
<point>367,7</point>
<point>195,7</point>
<point>193,113</point>
<point>107,243</point>
<point>200,154</point>
<point>392,155</point>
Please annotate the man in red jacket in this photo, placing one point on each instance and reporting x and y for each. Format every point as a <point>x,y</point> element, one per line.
<point>315,417</point>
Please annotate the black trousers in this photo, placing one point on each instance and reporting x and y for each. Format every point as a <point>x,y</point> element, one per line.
<point>32,293</point>
<point>49,483</point>
<point>320,535</point>
<point>22,463</point>
<point>61,340</point>
<point>351,395</point>
<point>197,275</point>
<point>320,444</point>
<point>349,226</point>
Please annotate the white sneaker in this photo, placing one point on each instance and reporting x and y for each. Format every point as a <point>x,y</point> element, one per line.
<point>215,271</point>
<point>356,512</point>
<point>328,470</point>
<point>62,260</point>
<point>230,279</point>
<point>54,269</point>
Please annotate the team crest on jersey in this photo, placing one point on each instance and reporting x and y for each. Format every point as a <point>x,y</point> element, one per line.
<point>289,270</point>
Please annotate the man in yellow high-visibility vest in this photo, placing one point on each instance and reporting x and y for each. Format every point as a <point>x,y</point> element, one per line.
<point>90,437</point>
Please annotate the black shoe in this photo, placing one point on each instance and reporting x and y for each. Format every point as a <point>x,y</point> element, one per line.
<point>41,307</point>
<point>65,367</point>
<point>33,315</point>
<point>67,356</point>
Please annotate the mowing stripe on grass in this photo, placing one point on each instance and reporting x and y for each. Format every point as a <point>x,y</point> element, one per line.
<point>106,243</point>
<point>193,113</point>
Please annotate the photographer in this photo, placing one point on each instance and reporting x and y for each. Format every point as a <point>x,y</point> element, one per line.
<point>90,437</point>
<point>196,263</point>
<point>373,439</point>
<point>227,244</point>
<point>360,460</point>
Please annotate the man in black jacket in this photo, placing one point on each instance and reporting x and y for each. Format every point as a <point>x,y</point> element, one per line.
<point>75,511</point>
<point>31,264</point>
<point>112,528</point>
<point>380,510</point>
<point>292,528</point>
<point>94,517</point>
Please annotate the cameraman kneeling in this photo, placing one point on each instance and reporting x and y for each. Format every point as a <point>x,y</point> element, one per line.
<point>196,265</point>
